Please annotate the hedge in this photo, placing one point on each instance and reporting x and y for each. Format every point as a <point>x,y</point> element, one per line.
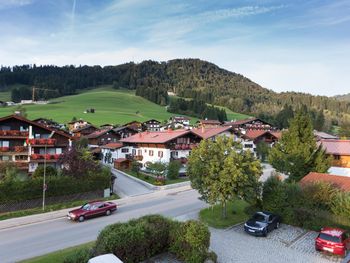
<point>57,186</point>
<point>143,238</point>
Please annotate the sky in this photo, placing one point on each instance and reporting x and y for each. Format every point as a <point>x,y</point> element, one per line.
<point>294,45</point>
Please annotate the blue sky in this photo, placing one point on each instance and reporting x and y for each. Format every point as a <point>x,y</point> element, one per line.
<point>282,45</point>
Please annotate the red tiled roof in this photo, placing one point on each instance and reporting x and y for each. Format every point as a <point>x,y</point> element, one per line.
<point>277,134</point>
<point>98,133</point>
<point>112,145</point>
<point>253,134</point>
<point>206,133</point>
<point>342,182</point>
<point>155,137</point>
<point>216,122</point>
<point>336,147</point>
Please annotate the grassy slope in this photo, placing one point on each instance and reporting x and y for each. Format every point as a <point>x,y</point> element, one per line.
<point>111,106</point>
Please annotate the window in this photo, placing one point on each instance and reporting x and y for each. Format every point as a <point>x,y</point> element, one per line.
<point>145,150</point>
<point>150,152</point>
<point>133,152</point>
<point>4,143</point>
<point>160,154</point>
<point>139,152</point>
<point>248,145</point>
<point>125,150</point>
<point>336,157</point>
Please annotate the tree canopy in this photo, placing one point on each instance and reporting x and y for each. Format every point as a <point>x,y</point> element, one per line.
<point>221,171</point>
<point>296,154</point>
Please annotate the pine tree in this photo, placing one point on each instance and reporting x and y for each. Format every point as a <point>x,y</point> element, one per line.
<point>297,153</point>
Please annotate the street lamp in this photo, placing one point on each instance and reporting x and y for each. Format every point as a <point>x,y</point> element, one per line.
<point>44,182</point>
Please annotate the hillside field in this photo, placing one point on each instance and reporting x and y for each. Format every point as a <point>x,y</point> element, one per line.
<point>111,106</point>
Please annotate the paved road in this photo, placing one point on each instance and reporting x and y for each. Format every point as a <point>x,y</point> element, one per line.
<point>124,186</point>
<point>37,239</point>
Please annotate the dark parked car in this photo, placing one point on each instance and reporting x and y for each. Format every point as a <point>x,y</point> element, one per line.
<point>261,223</point>
<point>92,209</point>
<point>333,240</point>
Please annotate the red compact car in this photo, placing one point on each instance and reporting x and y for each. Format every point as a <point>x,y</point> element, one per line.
<point>333,240</point>
<point>92,209</point>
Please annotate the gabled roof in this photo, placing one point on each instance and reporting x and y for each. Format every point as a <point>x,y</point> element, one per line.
<point>336,147</point>
<point>213,122</point>
<point>113,145</point>
<point>98,133</point>
<point>254,134</point>
<point>155,137</point>
<point>324,135</point>
<point>206,133</point>
<point>84,127</point>
<point>33,123</point>
<point>341,182</point>
<point>239,122</point>
<point>123,127</point>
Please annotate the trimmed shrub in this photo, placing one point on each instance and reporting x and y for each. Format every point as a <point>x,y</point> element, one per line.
<point>136,240</point>
<point>39,172</point>
<point>79,256</point>
<point>173,169</point>
<point>190,241</point>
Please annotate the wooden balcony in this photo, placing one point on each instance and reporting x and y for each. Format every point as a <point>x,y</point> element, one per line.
<point>48,157</point>
<point>42,142</point>
<point>13,134</point>
<point>15,150</point>
<point>183,146</point>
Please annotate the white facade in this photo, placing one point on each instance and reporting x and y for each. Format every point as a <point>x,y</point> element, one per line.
<point>114,155</point>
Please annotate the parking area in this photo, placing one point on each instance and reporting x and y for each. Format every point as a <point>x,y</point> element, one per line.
<point>286,244</point>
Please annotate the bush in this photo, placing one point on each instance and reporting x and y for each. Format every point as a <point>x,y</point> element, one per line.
<point>340,204</point>
<point>39,172</point>
<point>136,240</point>
<point>190,241</point>
<point>173,170</point>
<point>79,256</point>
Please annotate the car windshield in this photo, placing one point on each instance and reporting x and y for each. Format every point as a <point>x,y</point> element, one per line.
<point>329,238</point>
<point>259,217</point>
<point>86,207</point>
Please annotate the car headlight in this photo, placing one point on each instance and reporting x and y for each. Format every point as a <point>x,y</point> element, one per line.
<point>261,228</point>
<point>72,215</point>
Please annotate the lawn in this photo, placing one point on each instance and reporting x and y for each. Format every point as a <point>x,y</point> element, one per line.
<point>58,256</point>
<point>235,214</point>
<point>152,180</point>
<point>48,208</point>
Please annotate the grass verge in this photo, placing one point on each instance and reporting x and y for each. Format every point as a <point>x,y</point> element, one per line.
<point>48,208</point>
<point>235,214</point>
<point>151,180</point>
<point>58,256</point>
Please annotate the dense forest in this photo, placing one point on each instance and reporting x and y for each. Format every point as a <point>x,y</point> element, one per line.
<point>197,108</point>
<point>189,78</point>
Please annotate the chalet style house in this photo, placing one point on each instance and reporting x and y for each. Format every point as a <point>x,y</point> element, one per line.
<point>213,132</point>
<point>250,124</point>
<point>151,125</point>
<point>84,130</point>
<point>177,122</point>
<point>339,150</point>
<point>162,146</point>
<point>208,123</point>
<point>251,138</point>
<point>110,153</point>
<point>73,125</point>
<point>29,144</point>
<point>111,135</point>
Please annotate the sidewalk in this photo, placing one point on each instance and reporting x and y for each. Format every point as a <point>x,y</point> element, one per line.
<point>32,219</point>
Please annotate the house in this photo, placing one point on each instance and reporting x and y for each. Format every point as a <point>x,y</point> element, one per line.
<point>178,122</point>
<point>135,125</point>
<point>213,132</point>
<point>49,123</point>
<point>250,124</point>
<point>73,125</point>
<point>151,125</point>
<point>208,123</point>
<point>251,138</point>
<point>110,153</point>
<point>341,182</point>
<point>125,131</point>
<point>324,136</point>
<point>106,126</point>
<point>84,130</point>
<point>29,144</point>
<point>102,137</point>
<point>339,150</point>
<point>161,146</point>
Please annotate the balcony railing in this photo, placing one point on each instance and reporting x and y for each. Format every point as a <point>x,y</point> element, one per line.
<point>17,149</point>
<point>184,146</point>
<point>36,156</point>
<point>14,133</point>
<point>42,141</point>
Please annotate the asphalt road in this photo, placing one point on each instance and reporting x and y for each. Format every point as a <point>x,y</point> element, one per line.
<point>124,186</point>
<point>32,240</point>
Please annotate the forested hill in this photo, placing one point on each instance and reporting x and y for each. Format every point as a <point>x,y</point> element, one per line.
<point>345,97</point>
<point>192,78</point>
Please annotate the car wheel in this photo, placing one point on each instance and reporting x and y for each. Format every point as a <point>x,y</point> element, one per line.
<point>264,232</point>
<point>277,225</point>
<point>81,218</point>
<point>108,212</point>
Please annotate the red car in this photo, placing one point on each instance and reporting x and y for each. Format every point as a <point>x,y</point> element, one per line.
<point>92,209</point>
<point>333,240</point>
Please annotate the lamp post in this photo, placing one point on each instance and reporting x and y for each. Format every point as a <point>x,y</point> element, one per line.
<point>44,181</point>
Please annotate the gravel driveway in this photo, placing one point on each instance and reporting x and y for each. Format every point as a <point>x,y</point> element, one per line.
<point>286,244</point>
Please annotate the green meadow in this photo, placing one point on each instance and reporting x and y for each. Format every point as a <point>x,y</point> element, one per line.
<point>111,106</point>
